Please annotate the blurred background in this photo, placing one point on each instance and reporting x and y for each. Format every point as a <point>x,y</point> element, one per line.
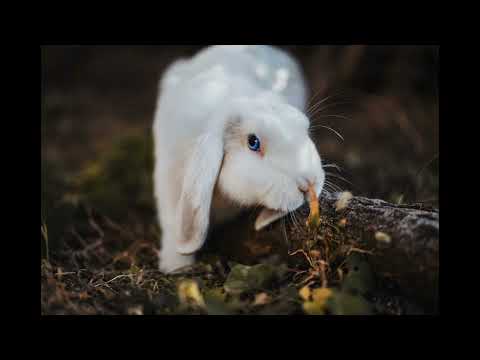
<point>98,104</point>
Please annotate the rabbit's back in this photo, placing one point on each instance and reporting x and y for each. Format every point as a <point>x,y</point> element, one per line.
<point>262,67</point>
<point>193,89</point>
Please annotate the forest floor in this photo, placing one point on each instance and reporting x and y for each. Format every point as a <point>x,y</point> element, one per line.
<point>101,266</point>
<point>99,234</point>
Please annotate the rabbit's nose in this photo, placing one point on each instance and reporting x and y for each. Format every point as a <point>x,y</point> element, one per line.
<point>303,190</point>
<point>304,185</point>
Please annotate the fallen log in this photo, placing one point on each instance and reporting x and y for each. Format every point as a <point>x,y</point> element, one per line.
<point>404,240</point>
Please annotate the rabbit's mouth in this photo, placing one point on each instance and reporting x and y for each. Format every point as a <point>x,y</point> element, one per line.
<point>268,216</point>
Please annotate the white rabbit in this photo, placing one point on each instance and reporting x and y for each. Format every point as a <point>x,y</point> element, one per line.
<point>229,133</point>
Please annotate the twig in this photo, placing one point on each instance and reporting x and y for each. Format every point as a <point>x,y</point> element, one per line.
<point>45,236</point>
<point>115,278</point>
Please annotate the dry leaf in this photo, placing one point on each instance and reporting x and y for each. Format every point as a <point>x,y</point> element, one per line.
<point>83,295</point>
<point>319,300</point>
<point>321,295</point>
<point>261,299</point>
<point>305,293</point>
<point>189,293</point>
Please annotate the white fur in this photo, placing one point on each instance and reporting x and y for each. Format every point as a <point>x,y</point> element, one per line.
<point>207,107</point>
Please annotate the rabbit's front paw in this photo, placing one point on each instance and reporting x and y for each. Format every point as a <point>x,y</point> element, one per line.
<point>171,261</point>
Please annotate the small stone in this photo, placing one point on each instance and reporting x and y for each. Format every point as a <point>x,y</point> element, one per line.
<point>383,237</point>
<point>135,310</point>
<point>343,200</point>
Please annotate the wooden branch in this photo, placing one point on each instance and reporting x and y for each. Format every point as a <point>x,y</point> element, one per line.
<point>405,239</point>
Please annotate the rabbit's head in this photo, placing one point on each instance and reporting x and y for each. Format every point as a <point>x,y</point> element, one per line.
<point>259,153</point>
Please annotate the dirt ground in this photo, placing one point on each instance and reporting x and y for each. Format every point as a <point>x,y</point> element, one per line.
<point>99,235</point>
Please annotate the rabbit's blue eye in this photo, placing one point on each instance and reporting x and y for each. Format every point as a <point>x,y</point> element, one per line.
<point>253,142</point>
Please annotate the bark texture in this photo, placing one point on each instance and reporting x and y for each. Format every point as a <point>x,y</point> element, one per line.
<point>410,252</point>
<point>404,240</point>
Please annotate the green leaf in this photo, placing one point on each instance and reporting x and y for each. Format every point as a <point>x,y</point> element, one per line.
<point>359,278</point>
<point>342,303</point>
<point>215,301</point>
<point>244,278</point>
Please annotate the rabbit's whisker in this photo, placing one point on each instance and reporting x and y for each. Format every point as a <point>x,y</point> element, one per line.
<point>287,241</point>
<point>329,128</point>
<point>316,105</point>
<point>320,116</point>
<point>338,177</point>
<point>312,107</point>
<point>332,165</point>
<point>320,109</point>
<point>294,222</point>
<point>310,102</point>
<point>332,186</point>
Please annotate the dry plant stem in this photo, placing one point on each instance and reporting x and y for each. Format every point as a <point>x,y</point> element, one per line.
<point>45,237</point>
<point>314,216</point>
<point>322,266</point>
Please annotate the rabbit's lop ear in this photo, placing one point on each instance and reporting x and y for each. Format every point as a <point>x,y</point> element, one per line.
<point>199,180</point>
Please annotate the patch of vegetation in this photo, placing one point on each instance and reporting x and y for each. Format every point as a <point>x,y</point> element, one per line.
<point>120,182</point>
<point>107,264</point>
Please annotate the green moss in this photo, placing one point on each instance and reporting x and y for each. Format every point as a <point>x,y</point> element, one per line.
<point>120,182</point>
<point>244,278</point>
<point>343,303</point>
<point>360,278</point>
